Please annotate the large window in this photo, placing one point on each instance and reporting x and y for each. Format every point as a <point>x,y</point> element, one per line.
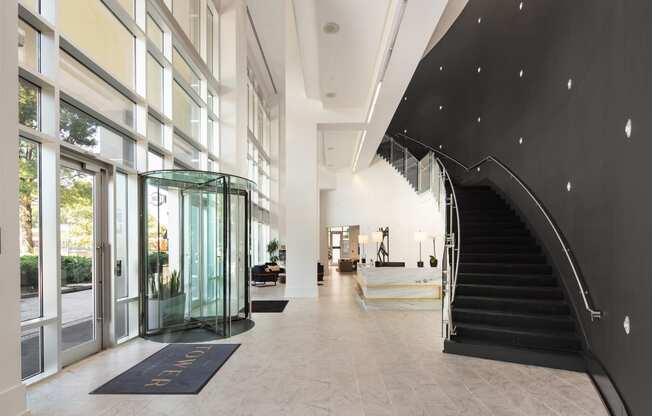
<point>29,213</point>
<point>154,32</point>
<point>84,85</point>
<point>187,13</point>
<point>154,83</point>
<point>29,104</point>
<point>80,129</point>
<point>185,152</point>
<point>92,27</point>
<point>155,131</point>
<point>185,71</point>
<point>154,161</point>
<point>186,112</point>
<point>29,45</point>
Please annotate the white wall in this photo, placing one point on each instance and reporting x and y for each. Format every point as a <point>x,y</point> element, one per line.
<point>380,197</point>
<point>12,391</point>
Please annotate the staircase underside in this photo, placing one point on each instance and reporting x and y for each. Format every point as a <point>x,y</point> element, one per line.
<point>508,304</point>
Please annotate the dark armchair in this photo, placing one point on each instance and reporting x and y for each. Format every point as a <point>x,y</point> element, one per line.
<point>261,275</point>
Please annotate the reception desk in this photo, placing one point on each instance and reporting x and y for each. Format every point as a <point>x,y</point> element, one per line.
<point>399,287</point>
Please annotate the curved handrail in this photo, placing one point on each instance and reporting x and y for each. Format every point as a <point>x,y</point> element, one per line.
<point>458,238</point>
<point>594,313</point>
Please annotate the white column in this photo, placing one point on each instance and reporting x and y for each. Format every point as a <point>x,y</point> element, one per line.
<point>12,391</point>
<point>233,92</point>
<point>301,174</point>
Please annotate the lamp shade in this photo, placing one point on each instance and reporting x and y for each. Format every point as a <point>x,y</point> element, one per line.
<point>420,236</point>
<point>363,239</point>
<point>377,236</point>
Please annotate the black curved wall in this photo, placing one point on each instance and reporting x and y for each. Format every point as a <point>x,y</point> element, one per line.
<point>572,135</point>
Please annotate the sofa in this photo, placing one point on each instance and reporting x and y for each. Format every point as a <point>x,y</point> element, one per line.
<point>347,266</point>
<point>261,275</point>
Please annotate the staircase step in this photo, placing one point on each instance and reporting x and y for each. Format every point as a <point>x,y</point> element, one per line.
<point>541,306</point>
<point>498,257</point>
<point>506,279</point>
<point>501,239</point>
<point>552,359</point>
<point>511,319</point>
<point>488,247</point>
<point>499,232</point>
<point>504,268</point>
<point>504,291</point>
<point>519,337</point>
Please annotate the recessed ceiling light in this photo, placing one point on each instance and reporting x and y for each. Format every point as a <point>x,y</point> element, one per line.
<point>441,68</point>
<point>331,28</point>
<point>479,19</point>
<point>568,187</point>
<point>570,83</point>
<point>441,107</point>
<point>404,131</point>
<point>331,95</point>
<point>520,140</point>
<point>404,98</point>
<point>520,73</point>
<point>479,69</point>
<point>520,6</point>
<point>628,128</point>
<point>440,146</point>
<point>479,119</point>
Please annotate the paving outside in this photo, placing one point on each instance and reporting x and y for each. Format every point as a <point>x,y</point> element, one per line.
<point>329,356</point>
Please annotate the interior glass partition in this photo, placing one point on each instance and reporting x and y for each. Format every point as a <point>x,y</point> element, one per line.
<point>196,229</point>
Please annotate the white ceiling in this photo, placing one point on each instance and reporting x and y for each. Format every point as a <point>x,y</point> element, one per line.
<point>338,147</point>
<point>344,63</point>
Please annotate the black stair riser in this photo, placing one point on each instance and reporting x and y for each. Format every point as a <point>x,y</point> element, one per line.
<point>503,304</point>
<point>497,291</point>
<point>527,341</point>
<point>548,322</point>
<point>507,280</point>
<point>504,268</point>
<point>498,257</point>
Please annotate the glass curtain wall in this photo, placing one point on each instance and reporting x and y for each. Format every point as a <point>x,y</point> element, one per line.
<point>123,77</point>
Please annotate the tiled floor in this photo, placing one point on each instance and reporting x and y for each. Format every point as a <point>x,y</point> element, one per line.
<point>330,357</point>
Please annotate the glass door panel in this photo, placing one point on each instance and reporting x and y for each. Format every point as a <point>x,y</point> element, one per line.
<point>80,269</point>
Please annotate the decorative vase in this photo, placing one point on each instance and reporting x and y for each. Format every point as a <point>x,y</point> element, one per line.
<point>419,264</point>
<point>433,261</point>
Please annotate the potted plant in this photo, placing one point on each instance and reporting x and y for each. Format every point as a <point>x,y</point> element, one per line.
<point>272,248</point>
<point>167,301</point>
<point>433,257</point>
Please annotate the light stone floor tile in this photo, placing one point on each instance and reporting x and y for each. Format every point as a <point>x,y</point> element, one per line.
<point>329,356</point>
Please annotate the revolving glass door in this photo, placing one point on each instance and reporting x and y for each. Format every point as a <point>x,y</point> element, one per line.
<point>196,233</point>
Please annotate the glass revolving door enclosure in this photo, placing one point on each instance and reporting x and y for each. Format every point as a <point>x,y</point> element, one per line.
<point>196,229</point>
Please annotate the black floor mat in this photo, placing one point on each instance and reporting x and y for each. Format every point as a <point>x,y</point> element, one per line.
<point>268,306</point>
<point>176,369</point>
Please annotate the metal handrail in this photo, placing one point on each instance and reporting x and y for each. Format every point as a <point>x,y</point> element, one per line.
<point>594,313</point>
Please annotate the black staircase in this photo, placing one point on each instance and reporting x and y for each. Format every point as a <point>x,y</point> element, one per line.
<point>508,303</point>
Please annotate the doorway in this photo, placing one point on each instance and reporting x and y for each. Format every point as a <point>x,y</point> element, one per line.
<point>83,230</point>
